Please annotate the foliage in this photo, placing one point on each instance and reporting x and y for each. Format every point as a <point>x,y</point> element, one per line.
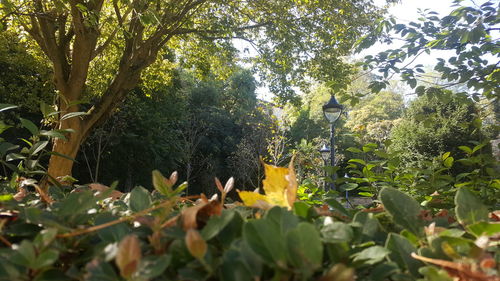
<point>24,79</point>
<point>469,31</point>
<point>89,235</point>
<point>28,158</point>
<point>433,184</point>
<point>102,48</point>
<point>373,118</point>
<point>434,124</point>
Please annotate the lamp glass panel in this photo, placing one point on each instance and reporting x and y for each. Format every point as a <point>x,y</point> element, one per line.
<point>332,114</point>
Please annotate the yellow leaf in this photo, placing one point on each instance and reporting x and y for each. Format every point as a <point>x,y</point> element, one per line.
<point>280,187</point>
<point>250,198</point>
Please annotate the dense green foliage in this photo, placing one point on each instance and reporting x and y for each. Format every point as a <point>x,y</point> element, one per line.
<point>434,124</point>
<point>152,236</point>
<point>424,167</point>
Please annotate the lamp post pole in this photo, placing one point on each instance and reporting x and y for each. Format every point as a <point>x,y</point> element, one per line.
<point>332,153</point>
<point>332,111</point>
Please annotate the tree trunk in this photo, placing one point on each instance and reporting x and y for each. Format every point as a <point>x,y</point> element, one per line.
<point>61,166</point>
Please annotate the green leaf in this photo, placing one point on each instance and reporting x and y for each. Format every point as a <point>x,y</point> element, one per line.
<point>304,247</point>
<point>140,199</point>
<point>349,186</point>
<point>45,237</point>
<point>332,202</point>
<point>284,219</point>
<point>30,126</point>
<point>153,266</point>
<point>160,184</point>
<point>38,146</point>
<point>216,224</point>
<point>366,194</point>
<point>77,203</point>
<point>98,270</point>
<point>51,275</point>
<point>465,149</point>
<point>301,209</point>
<point>52,134</point>
<point>5,106</point>
<point>403,209</point>
<point>354,150</point>
<point>24,254</point>
<point>368,224</point>
<point>6,197</point>
<point>468,207</point>
<point>401,249</point>
<point>46,258</point>
<point>479,146</point>
<point>360,161</point>
<point>371,255</point>
<point>484,228</point>
<point>446,155</point>
<point>433,274</point>
<point>114,233</point>
<point>448,162</point>
<point>337,232</point>
<point>263,237</point>
<point>72,115</point>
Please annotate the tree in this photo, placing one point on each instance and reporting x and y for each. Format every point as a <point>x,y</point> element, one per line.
<point>77,36</point>
<point>470,31</point>
<point>24,79</point>
<point>374,116</point>
<point>434,124</point>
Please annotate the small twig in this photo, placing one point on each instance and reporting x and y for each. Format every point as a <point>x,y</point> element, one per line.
<point>104,225</point>
<point>5,241</point>
<point>123,219</point>
<point>459,267</point>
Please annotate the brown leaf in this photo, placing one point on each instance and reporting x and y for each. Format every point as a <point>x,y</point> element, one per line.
<point>219,185</point>
<point>196,216</point>
<point>197,247</point>
<point>173,177</point>
<point>20,195</point>
<point>128,256</point>
<point>115,194</point>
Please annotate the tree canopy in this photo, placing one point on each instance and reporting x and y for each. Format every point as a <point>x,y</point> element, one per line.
<point>293,39</point>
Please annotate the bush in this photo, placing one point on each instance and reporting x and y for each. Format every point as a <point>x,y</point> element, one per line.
<point>93,233</point>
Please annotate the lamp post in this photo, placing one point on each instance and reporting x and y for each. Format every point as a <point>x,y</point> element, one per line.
<point>325,155</point>
<point>332,111</point>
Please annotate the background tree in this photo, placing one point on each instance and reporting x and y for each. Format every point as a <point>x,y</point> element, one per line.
<point>434,124</point>
<point>374,116</point>
<point>292,37</point>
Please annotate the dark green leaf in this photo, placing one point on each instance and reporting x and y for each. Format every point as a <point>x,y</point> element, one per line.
<point>337,232</point>
<point>401,250</point>
<point>263,237</point>
<point>371,255</point>
<point>469,209</point>
<point>403,209</point>
<point>304,247</point>
<point>30,126</point>
<point>140,199</point>
<point>216,224</point>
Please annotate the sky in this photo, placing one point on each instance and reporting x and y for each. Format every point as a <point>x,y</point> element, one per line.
<point>404,12</point>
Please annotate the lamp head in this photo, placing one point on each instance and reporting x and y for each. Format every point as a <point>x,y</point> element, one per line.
<point>332,110</point>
